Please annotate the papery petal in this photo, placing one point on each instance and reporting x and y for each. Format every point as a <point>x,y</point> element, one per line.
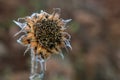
<point>22,30</point>
<point>67,21</point>
<point>61,54</point>
<point>55,15</point>
<point>66,35</point>
<point>19,41</point>
<point>67,43</point>
<point>21,25</point>
<point>29,21</point>
<point>21,20</point>
<point>23,40</point>
<point>28,48</point>
<point>34,15</point>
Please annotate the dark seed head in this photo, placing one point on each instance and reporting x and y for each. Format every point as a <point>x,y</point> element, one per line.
<point>48,33</point>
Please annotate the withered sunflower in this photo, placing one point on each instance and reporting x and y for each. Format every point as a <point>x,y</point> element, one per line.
<point>44,33</point>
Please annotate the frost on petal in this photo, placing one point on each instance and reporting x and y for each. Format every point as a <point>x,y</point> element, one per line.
<point>19,41</point>
<point>23,40</point>
<point>67,43</point>
<point>24,29</point>
<point>21,20</point>
<point>63,23</point>
<point>21,25</point>
<point>67,21</point>
<point>34,15</point>
<point>28,48</point>
<point>29,20</point>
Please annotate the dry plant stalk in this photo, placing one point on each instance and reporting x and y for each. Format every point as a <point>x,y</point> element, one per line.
<point>44,35</point>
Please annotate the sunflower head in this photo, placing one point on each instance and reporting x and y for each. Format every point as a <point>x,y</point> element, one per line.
<point>44,33</point>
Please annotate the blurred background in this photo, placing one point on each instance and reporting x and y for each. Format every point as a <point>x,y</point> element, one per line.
<point>95,31</point>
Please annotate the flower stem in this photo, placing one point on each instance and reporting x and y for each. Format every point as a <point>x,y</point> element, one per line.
<point>35,60</point>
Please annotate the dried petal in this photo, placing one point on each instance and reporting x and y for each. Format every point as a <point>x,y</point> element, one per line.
<point>21,25</point>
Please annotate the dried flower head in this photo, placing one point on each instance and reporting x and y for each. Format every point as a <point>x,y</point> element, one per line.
<point>44,33</point>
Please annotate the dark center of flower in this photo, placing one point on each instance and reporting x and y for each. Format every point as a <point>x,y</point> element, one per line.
<point>48,33</point>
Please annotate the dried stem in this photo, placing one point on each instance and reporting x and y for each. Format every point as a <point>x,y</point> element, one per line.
<point>35,60</point>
